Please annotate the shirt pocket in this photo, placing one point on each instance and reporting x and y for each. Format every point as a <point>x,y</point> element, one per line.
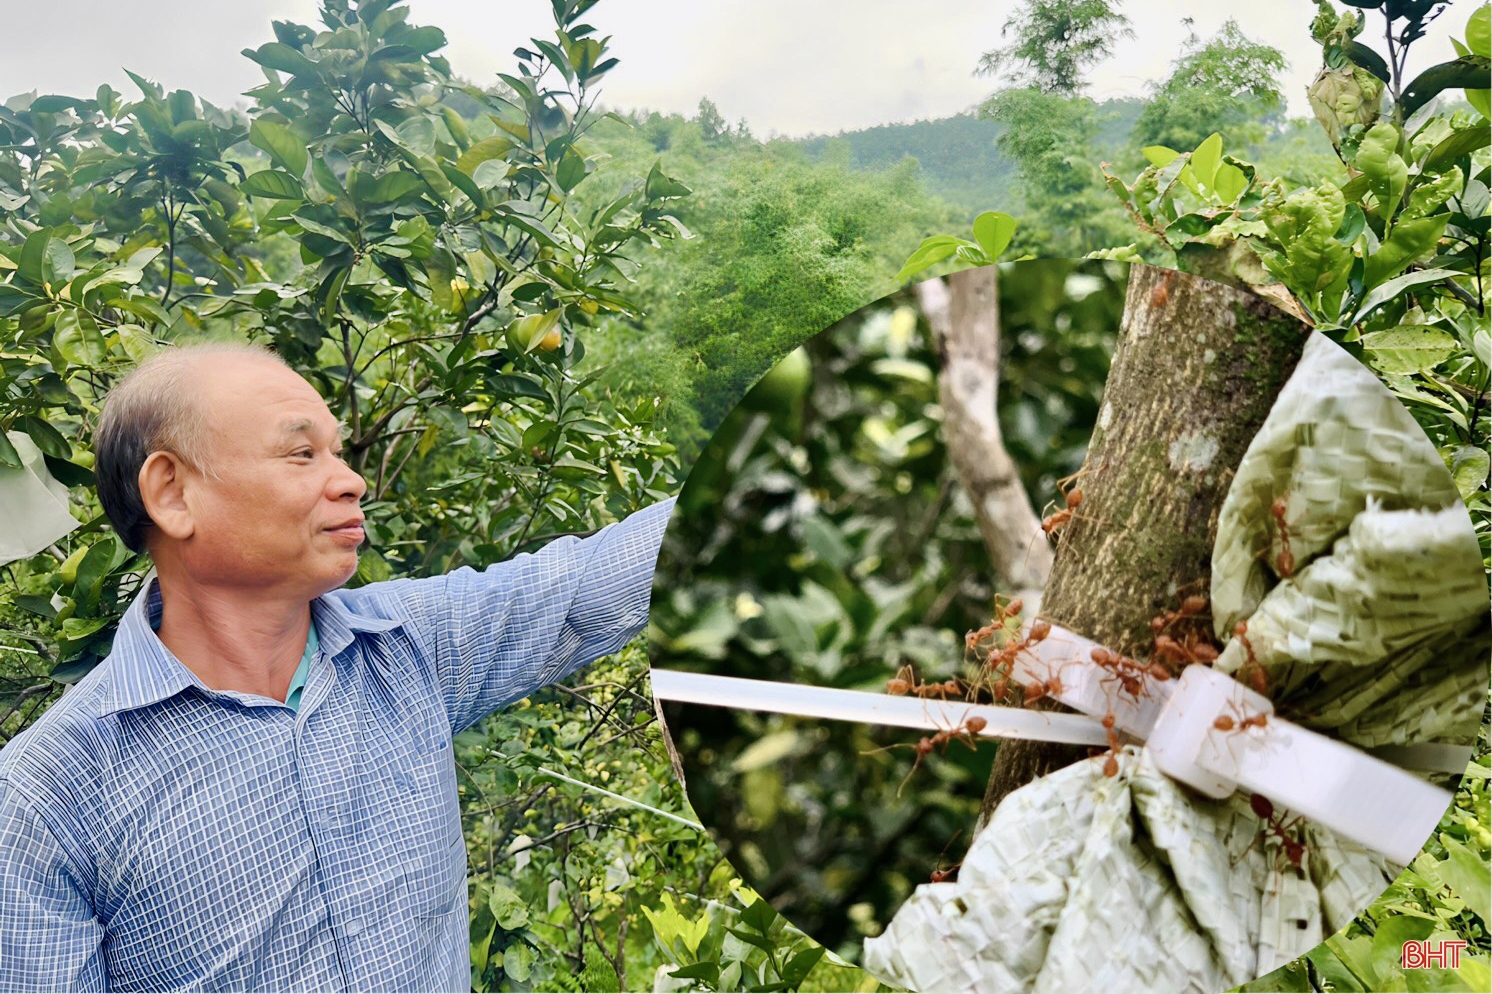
<point>437,885</point>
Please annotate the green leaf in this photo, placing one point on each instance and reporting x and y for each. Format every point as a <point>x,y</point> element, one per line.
<point>36,604</point>
<point>69,474</point>
<point>324,230</point>
<point>142,307</point>
<point>1229,182</point>
<point>1409,348</point>
<point>1370,60</point>
<point>800,966</point>
<point>272,183</point>
<point>77,339</point>
<point>514,385</point>
<point>1387,173</point>
<point>451,421</point>
<point>1430,192</point>
<point>507,907</point>
<point>570,171</point>
<point>751,938</point>
<point>662,187</point>
<point>423,40</point>
<point>1385,292</point>
<point>1159,155</point>
<point>1205,159</point>
<point>275,55</point>
<point>57,263</point>
<point>1469,468</point>
<point>330,293</point>
<point>136,342</point>
<point>8,454</point>
<point>993,231</point>
<point>1309,260</point>
<point>1469,72</point>
<point>416,134</point>
<point>33,253</point>
<point>281,143</point>
<point>394,186</point>
<point>495,147</point>
<point>96,564</point>
<point>1452,148</point>
<point>707,970</point>
<point>75,668</point>
<point>518,961</point>
<point>1479,42</point>
<point>48,439</point>
<point>1408,241</point>
<point>933,250</point>
<point>759,916</point>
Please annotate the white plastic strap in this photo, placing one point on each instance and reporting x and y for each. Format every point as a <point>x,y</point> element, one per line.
<point>1334,784</point>
<point>874,709</point>
<point>1331,783</point>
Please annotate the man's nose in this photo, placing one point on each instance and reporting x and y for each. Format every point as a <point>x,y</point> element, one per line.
<point>348,482</point>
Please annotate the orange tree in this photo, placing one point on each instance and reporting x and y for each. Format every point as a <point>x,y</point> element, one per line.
<point>427,254</point>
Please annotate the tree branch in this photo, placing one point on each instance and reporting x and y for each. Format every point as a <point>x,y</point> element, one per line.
<point>964,319</point>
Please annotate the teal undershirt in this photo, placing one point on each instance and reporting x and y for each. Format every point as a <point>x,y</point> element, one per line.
<point>298,681</point>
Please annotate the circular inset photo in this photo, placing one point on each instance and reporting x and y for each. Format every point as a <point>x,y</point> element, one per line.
<point>1070,625</point>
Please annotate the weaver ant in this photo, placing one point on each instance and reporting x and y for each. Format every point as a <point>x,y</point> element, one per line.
<point>1254,670</point>
<point>1276,826</point>
<point>1111,758</point>
<point>1054,522</point>
<point>905,682</point>
<point>1194,606</point>
<point>1128,673</point>
<point>1239,723</point>
<point>939,875</point>
<point>1162,293</point>
<point>1244,722</point>
<point>1051,686</point>
<point>963,732</point>
<point>1180,637</point>
<point>1284,563</point>
<point>997,664</point>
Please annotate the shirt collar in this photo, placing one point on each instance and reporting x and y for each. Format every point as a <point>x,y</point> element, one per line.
<point>144,671</point>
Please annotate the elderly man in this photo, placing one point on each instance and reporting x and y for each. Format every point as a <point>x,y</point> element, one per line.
<point>256,789</point>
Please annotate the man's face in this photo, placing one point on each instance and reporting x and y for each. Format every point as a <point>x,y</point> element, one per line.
<point>282,514</point>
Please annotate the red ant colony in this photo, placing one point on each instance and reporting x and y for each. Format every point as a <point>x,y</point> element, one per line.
<point>1180,638</point>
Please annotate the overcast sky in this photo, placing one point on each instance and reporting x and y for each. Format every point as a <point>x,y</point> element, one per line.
<point>788,67</point>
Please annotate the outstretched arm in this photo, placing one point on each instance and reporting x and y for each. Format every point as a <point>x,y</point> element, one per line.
<point>496,635</point>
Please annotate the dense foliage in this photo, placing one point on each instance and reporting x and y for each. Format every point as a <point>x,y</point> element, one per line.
<point>456,268</point>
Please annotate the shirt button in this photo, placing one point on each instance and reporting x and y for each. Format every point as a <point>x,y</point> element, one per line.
<point>354,927</point>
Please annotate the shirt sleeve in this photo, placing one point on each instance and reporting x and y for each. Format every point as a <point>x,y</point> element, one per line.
<point>49,937</point>
<point>497,635</point>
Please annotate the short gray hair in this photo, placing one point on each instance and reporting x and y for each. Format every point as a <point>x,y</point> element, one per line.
<point>154,409</point>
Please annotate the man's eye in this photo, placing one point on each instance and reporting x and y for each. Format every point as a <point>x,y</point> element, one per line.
<point>304,454</point>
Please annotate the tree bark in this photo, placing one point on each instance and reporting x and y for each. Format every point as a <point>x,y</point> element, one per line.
<point>964,317</point>
<point>1197,367</point>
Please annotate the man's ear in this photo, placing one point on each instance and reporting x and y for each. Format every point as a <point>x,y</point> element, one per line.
<point>162,489</point>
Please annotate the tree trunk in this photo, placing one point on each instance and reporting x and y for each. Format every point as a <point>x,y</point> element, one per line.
<point>1197,367</point>
<point>965,320</point>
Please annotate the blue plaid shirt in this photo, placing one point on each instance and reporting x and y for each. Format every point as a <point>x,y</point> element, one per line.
<point>158,835</point>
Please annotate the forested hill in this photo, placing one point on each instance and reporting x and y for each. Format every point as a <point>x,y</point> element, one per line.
<point>957,154</point>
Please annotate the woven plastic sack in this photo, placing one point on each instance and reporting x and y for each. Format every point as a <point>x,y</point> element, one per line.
<point>1081,882</point>
<point>33,503</point>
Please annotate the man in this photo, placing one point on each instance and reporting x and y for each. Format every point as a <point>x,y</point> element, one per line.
<point>256,789</point>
